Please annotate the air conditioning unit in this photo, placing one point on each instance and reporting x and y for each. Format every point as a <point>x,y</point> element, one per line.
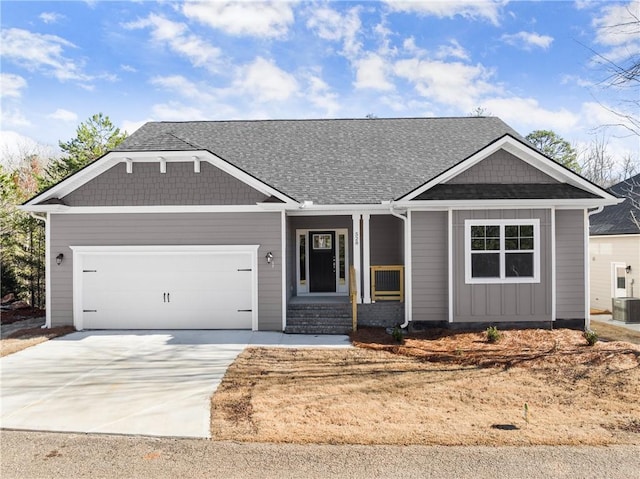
<point>626,309</point>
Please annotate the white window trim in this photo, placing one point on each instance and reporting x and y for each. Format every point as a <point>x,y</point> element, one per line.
<point>303,289</point>
<point>503,279</point>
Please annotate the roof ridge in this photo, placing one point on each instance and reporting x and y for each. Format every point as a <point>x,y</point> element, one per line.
<point>302,120</point>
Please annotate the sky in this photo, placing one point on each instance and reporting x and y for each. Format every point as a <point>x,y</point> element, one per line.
<point>536,64</point>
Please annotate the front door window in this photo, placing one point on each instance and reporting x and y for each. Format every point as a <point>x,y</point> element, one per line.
<point>619,280</point>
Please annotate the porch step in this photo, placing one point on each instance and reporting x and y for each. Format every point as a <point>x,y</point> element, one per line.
<point>318,318</point>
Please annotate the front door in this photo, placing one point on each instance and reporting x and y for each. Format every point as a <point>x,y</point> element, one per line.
<point>322,262</point>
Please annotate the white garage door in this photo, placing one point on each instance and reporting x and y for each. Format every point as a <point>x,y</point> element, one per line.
<point>166,290</point>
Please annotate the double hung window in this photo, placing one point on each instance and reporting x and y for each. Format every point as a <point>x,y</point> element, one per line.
<point>502,251</point>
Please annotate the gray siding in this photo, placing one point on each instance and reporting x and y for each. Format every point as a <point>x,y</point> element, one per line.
<point>263,229</point>
<point>386,240</point>
<point>502,302</point>
<point>570,273</point>
<point>178,186</point>
<point>429,271</point>
<point>501,167</point>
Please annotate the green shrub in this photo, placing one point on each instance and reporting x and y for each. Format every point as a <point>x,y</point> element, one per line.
<point>397,335</point>
<point>493,335</point>
<point>591,337</point>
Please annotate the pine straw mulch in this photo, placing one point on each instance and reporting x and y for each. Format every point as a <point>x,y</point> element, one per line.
<point>25,338</point>
<point>530,348</point>
<point>436,388</point>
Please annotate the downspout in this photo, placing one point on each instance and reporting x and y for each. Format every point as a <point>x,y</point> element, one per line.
<point>407,238</point>
<point>44,219</point>
<point>587,311</point>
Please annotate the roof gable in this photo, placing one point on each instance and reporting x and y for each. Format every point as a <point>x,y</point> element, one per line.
<point>550,170</point>
<point>622,218</point>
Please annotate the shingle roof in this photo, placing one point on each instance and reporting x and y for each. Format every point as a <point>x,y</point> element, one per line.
<point>519,191</point>
<point>331,161</point>
<point>618,219</point>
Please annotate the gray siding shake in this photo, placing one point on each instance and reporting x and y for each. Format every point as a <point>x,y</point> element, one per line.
<point>502,302</point>
<point>570,273</point>
<point>429,266</point>
<point>178,186</point>
<point>263,229</point>
<point>502,167</point>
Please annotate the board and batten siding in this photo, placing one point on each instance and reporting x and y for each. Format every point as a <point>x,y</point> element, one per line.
<point>263,229</point>
<point>429,268</point>
<point>570,267</point>
<point>502,302</point>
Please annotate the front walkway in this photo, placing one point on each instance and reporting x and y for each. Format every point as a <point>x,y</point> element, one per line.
<point>154,383</point>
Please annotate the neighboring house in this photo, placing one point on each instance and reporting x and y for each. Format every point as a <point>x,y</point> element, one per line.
<point>263,225</point>
<point>614,247</point>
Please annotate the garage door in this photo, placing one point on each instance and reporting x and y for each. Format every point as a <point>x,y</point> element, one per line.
<point>166,290</point>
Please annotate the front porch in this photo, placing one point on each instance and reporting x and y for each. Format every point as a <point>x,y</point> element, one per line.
<point>342,264</point>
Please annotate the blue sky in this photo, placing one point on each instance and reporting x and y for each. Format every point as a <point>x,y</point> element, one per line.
<point>530,63</point>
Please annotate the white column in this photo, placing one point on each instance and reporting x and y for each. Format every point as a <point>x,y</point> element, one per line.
<point>366,259</point>
<point>356,253</point>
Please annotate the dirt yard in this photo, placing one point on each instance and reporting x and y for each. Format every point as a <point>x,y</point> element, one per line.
<point>532,387</point>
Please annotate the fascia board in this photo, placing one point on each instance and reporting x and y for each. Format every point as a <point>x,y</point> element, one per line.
<point>112,158</point>
<point>503,204</point>
<point>523,152</point>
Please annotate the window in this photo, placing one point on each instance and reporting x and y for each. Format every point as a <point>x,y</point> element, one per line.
<point>502,251</point>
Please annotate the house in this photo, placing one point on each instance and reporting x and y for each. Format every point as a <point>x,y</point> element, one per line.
<point>269,225</point>
<point>614,247</point>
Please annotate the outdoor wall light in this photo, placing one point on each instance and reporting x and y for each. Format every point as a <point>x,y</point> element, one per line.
<point>269,257</point>
<point>628,269</point>
<point>59,259</point>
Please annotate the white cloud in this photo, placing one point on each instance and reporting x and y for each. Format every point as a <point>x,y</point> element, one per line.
<point>265,81</point>
<point>178,38</point>
<point>63,115</point>
<point>174,111</point>
<point>128,68</point>
<point>528,40</point>
<point>617,29</point>
<point>319,94</point>
<point>11,85</point>
<point>452,50</point>
<point>452,84</point>
<point>50,17</point>
<point>371,73</point>
<point>597,115</point>
<point>330,25</point>
<point>261,19</point>
<point>472,9</point>
<point>527,114</point>
<point>183,87</point>
<point>12,117</point>
<point>35,51</point>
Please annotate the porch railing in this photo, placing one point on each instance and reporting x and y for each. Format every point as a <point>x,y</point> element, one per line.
<point>353,297</point>
<point>387,283</point>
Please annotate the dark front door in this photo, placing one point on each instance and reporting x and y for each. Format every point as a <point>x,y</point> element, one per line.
<point>322,261</point>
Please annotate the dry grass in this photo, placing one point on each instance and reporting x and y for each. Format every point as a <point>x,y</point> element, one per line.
<point>611,332</point>
<point>452,389</point>
<point>25,338</point>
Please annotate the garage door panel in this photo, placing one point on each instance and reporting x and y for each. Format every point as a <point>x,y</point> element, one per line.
<point>167,291</point>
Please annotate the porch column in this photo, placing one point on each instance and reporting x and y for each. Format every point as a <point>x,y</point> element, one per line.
<point>356,253</point>
<point>366,260</point>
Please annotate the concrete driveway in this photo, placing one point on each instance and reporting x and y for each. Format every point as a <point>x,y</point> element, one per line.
<point>155,383</point>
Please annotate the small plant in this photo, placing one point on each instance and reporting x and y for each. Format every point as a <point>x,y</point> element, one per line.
<point>493,335</point>
<point>397,334</point>
<point>591,337</point>
<point>526,413</point>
